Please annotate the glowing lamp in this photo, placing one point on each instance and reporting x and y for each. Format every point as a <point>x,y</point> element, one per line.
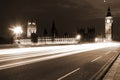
<point>18,30</point>
<point>78,37</point>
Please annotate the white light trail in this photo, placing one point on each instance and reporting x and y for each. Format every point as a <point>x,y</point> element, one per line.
<point>69,47</point>
<point>37,54</point>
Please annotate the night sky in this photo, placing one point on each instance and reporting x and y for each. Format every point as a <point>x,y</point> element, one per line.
<point>68,14</point>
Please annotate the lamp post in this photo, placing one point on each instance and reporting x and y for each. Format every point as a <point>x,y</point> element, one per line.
<point>17,31</point>
<point>78,37</point>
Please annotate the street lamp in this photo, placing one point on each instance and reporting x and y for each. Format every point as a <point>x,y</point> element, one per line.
<point>78,37</point>
<point>17,31</point>
<point>96,39</point>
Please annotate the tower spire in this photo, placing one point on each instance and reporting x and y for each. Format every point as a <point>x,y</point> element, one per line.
<point>109,12</point>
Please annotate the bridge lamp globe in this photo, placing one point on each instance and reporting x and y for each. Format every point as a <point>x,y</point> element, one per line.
<point>78,37</point>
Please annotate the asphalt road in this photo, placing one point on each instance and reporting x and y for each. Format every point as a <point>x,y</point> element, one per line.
<point>81,66</point>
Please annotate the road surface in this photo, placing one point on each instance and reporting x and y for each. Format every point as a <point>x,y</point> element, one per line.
<point>75,64</point>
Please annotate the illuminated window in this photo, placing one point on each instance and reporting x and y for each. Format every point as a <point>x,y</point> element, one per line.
<point>29,23</point>
<point>33,23</point>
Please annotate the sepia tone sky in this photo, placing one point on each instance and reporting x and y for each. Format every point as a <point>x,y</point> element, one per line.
<point>68,14</point>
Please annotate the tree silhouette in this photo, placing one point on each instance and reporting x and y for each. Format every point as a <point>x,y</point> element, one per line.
<point>54,32</point>
<point>45,33</point>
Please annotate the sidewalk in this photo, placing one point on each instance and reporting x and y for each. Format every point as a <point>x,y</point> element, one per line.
<point>114,72</point>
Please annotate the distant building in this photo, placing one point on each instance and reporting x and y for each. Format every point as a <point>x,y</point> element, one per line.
<point>31,28</point>
<point>108,25</point>
<point>88,34</point>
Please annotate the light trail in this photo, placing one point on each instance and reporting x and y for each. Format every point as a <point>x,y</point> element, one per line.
<point>42,51</point>
<point>46,53</point>
<point>47,48</point>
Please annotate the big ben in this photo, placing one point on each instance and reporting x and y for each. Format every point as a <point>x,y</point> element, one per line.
<point>108,25</point>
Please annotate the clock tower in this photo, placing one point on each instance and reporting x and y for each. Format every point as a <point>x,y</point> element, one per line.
<point>31,28</point>
<point>108,25</point>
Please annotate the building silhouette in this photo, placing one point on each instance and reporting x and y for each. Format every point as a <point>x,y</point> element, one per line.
<point>88,33</point>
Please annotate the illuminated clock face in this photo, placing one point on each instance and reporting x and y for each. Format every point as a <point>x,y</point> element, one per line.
<point>108,20</point>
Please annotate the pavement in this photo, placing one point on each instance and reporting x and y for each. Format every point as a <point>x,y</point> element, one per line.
<point>114,71</point>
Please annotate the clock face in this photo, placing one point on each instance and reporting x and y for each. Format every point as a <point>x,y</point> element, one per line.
<point>108,20</point>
